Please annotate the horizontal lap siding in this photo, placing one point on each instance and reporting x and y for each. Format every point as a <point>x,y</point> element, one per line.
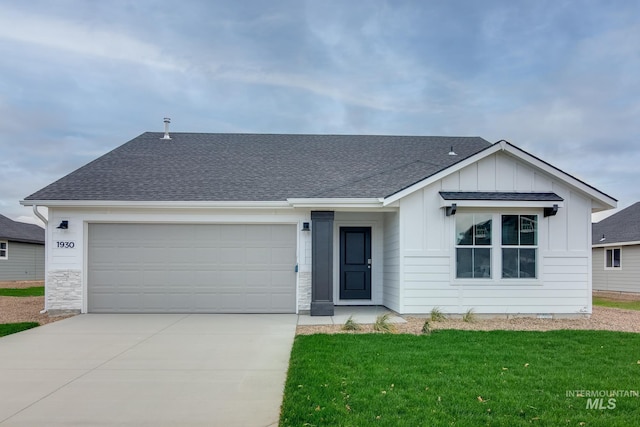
<point>625,279</point>
<point>25,262</point>
<point>427,281</point>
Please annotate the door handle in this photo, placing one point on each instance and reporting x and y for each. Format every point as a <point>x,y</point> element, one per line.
<point>369,263</point>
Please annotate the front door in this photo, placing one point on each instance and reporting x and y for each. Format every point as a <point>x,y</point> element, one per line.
<point>355,263</point>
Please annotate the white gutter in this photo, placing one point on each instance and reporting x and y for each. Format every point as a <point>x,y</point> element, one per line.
<point>37,213</point>
<point>614,244</point>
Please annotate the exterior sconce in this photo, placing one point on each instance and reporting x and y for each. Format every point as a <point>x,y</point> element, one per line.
<point>451,210</point>
<point>64,225</point>
<point>551,211</point>
<point>305,226</point>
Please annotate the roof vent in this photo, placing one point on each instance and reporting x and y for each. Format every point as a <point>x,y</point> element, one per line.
<point>167,120</point>
<point>452,153</point>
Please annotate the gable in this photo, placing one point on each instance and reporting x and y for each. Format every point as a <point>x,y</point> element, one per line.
<point>505,168</point>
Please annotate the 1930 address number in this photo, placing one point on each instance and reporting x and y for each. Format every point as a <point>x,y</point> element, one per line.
<point>65,244</point>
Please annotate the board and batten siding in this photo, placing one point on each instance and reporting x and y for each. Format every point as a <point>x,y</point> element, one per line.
<point>391,278</point>
<point>25,262</point>
<point>624,279</point>
<point>427,255</point>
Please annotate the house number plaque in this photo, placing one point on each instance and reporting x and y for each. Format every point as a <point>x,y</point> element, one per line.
<point>65,244</point>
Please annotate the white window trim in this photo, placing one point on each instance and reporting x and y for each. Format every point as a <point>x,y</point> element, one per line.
<point>605,258</point>
<point>496,258</point>
<point>6,249</point>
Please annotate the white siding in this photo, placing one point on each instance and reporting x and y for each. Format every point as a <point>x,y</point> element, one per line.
<point>427,254</point>
<point>625,279</point>
<point>391,275</point>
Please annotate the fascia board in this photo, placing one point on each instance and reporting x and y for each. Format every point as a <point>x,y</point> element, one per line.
<point>442,174</point>
<point>157,204</point>
<point>335,203</point>
<point>615,244</point>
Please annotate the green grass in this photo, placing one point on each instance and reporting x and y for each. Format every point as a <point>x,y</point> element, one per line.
<point>12,328</point>
<point>461,378</point>
<point>605,302</point>
<point>36,291</point>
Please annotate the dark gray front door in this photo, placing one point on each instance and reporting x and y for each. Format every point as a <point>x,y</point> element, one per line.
<point>355,263</point>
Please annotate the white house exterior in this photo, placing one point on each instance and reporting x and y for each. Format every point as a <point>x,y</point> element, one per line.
<point>492,228</point>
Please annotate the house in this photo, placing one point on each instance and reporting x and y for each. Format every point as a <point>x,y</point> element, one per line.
<point>21,251</point>
<point>616,251</point>
<point>263,223</point>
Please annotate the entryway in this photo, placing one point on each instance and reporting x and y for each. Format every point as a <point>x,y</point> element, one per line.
<point>355,263</point>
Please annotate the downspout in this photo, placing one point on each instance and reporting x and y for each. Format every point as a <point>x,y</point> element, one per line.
<point>37,213</point>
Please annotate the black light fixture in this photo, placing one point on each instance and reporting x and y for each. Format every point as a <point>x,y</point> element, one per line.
<point>551,211</point>
<point>602,239</point>
<point>451,210</point>
<point>305,226</point>
<point>64,225</point>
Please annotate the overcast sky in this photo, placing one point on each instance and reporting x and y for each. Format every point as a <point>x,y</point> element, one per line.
<point>560,79</point>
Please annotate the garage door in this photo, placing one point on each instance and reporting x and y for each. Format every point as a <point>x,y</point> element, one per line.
<point>189,268</point>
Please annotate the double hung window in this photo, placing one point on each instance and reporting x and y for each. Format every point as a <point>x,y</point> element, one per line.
<point>612,258</point>
<point>473,245</point>
<point>508,251</point>
<point>4,250</point>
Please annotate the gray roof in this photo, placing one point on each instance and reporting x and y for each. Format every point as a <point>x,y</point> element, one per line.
<point>260,167</point>
<point>623,226</point>
<point>486,195</point>
<point>20,232</point>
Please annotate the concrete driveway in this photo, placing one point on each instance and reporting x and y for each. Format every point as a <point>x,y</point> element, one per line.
<point>120,369</point>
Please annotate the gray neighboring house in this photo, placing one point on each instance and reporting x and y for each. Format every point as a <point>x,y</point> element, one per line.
<point>616,251</point>
<point>263,223</point>
<point>21,251</point>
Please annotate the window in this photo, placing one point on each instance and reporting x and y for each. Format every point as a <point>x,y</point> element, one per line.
<point>612,258</point>
<point>519,246</point>
<point>473,245</point>
<point>4,250</point>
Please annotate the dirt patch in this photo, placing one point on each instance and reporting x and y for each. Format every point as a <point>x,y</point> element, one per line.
<point>21,284</point>
<point>24,309</point>
<point>602,318</point>
<point>617,296</point>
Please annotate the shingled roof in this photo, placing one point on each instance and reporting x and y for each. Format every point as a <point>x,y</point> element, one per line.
<point>260,167</point>
<point>623,226</point>
<point>20,232</point>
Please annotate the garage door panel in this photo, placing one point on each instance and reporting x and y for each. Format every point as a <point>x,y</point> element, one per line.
<point>172,268</point>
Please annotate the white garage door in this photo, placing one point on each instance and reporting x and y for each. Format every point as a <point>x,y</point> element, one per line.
<point>191,268</point>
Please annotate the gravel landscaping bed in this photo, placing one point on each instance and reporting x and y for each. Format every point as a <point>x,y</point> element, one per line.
<point>24,309</point>
<point>602,318</point>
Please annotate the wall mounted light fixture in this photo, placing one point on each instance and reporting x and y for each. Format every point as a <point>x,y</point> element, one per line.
<point>551,211</point>
<point>305,226</point>
<point>64,225</point>
<point>451,210</point>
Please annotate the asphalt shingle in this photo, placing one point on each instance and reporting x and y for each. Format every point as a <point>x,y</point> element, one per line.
<point>259,167</point>
<point>20,232</point>
<point>623,226</point>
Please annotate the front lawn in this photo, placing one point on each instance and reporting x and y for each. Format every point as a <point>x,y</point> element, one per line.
<point>607,302</point>
<point>463,378</point>
<point>12,328</point>
<point>36,291</point>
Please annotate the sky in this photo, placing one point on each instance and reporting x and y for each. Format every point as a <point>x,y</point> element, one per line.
<point>559,79</point>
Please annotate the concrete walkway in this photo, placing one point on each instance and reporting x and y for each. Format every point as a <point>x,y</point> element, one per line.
<point>147,370</point>
<point>361,314</point>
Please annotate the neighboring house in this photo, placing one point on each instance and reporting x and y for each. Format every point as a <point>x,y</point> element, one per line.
<point>616,251</point>
<point>219,223</point>
<point>21,251</point>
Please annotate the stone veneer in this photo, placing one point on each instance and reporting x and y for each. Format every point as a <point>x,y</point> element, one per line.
<point>64,291</point>
<point>304,291</point>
